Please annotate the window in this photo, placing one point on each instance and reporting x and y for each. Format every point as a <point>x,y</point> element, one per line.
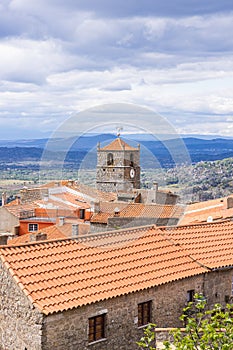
<point>96,328</point>
<point>82,214</point>
<point>190,295</point>
<point>144,313</point>
<point>131,159</point>
<point>110,159</point>
<point>32,227</point>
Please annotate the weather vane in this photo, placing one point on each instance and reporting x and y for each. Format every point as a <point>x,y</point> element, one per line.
<point>119,129</point>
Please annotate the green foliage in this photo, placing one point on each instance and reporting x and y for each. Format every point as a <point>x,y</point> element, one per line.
<point>146,342</point>
<point>203,329</point>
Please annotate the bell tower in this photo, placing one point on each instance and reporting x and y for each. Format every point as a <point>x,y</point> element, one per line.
<point>118,167</point>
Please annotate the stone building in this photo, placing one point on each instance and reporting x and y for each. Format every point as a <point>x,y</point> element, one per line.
<point>208,211</point>
<point>114,215</point>
<point>118,167</point>
<point>98,292</point>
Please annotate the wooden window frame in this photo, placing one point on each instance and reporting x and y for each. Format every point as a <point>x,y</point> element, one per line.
<point>190,295</point>
<point>31,227</point>
<point>96,328</point>
<point>144,313</point>
<point>82,214</point>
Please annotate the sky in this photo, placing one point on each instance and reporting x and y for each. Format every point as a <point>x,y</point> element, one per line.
<point>59,58</point>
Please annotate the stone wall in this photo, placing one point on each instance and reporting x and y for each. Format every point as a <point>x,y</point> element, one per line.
<point>69,330</point>
<point>23,327</point>
<point>20,322</point>
<point>116,176</point>
<point>28,195</point>
<point>121,222</point>
<point>154,195</point>
<point>8,222</point>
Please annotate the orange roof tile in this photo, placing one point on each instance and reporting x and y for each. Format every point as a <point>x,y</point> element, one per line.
<point>63,274</point>
<point>84,192</point>
<point>100,218</point>
<point>91,192</point>
<point>210,243</point>
<point>67,199</point>
<point>215,209</point>
<point>20,209</point>
<point>133,210</point>
<point>52,233</point>
<point>152,210</point>
<point>118,145</point>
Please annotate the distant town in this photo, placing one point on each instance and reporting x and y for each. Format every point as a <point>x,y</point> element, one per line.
<point>91,255</point>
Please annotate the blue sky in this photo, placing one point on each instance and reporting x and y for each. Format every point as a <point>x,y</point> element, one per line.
<point>58,58</point>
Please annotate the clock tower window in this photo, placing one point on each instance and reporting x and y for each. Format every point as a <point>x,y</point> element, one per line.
<point>110,159</point>
<point>131,159</point>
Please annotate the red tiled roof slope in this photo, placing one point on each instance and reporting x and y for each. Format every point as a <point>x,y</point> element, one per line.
<point>135,210</point>
<point>118,145</point>
<point>60,275</point>
<point>210,244</point>
<point>217,209</point>
<point>17,210</point>
<point>51,232</point>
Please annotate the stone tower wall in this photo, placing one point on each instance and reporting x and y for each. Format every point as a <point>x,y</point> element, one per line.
<point>115,176</point>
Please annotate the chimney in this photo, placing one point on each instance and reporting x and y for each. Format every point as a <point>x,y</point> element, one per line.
<point>70,182</point>
<point>38,237</point>
<point>61,221</point>
<point>3,239</point>
<point>45,198</point>
<point>116,212</point>
<point>229,202</point>
<point>155,186</point>
<point>4,198</point>
<point>75,230</point>
<point>97,207</point>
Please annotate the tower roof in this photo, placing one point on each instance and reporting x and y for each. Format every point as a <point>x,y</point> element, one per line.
<point>118,145</point>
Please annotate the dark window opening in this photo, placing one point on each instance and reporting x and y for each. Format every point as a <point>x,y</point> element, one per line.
<point>144,313</point>
<point>110,159</point>
<point>190,295</point>
<point>82,213</point>
<point>131,159</point>
<point>96,328</point>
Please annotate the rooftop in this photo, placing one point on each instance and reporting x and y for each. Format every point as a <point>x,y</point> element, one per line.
<point>212,210</point>
<point>118,145</point>
<point>134,210</point>
<point>63,274</point>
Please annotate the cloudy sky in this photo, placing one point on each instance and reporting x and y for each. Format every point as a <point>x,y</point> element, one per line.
<point>58,58</point>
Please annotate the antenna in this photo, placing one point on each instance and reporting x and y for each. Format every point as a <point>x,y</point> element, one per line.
<point>119,129</point>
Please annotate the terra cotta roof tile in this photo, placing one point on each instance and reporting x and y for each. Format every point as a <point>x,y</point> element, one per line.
<point>63,274</point>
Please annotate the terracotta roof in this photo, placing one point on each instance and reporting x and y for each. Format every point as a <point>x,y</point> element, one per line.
<point>152,210</point>
<point>83,192</point>
<point>109,207</point>
<point>135,210</point>
<point>211,243</point>
<point>51,234</point>
<point>64,274</point>
<point>19,210</point>
<point>100,218</point>
<point>216,209</point>
<point>91,192</point>
<point>70,199</point>
<point>118,145</point>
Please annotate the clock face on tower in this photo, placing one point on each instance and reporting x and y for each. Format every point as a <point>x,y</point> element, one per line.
<point>132,173</point>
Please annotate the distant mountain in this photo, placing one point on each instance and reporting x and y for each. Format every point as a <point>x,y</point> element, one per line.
<point>74,150</point>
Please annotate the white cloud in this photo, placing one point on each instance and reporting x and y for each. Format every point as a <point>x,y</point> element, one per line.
<point>58,58</point>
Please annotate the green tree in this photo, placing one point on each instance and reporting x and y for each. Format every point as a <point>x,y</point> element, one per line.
<point>203,329</point>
